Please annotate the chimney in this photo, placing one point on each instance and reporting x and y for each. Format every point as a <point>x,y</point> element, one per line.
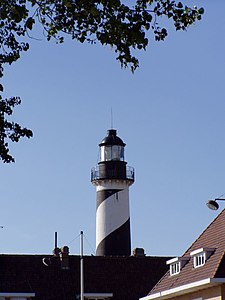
<point>139,252</point>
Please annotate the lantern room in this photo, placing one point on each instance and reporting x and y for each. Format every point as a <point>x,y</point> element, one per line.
<point>112,164</point>
<point>112,147</point>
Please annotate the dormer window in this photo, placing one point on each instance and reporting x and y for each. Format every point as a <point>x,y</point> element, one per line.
<point>175,268</point>
<point>176,264</point>
<point>199,260</point>
<point>200,256</point>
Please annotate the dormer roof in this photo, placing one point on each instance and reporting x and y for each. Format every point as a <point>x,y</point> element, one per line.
<point>212,243</point>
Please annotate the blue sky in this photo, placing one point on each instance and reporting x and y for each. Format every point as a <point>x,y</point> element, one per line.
<point>170,114</point>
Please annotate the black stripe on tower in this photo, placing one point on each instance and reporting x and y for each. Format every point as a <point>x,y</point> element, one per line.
<point>103,195</point>
<point>116,243</point>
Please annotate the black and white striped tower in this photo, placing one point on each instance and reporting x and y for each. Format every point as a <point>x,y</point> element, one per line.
<point>112,178</point>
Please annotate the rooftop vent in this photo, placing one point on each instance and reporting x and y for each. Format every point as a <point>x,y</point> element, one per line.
<point>64,257</point>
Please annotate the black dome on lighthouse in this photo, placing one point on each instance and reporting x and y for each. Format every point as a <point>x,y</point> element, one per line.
<point>112,139</point>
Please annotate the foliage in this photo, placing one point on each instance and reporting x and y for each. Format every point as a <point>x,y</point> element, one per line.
<point>9,130</point>
<point>109,22</point>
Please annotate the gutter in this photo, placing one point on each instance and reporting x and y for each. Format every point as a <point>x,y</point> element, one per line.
<point>185,289</point>
<point>18,295</point>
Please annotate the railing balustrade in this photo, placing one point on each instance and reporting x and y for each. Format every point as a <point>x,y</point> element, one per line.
<point>95,174</point>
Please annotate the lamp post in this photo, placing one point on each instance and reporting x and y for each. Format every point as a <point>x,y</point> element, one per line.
<point>212,204</point>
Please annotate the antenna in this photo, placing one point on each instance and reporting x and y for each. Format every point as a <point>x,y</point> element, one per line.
<point>111,118</point>
<point>46,261</point>
<point>56,250</point>
<point>56,242</point>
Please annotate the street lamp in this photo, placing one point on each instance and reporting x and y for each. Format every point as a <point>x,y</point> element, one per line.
<point>212,204</point>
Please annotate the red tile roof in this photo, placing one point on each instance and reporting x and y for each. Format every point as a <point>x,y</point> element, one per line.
<point>128,278</point>
<point>212,237</point>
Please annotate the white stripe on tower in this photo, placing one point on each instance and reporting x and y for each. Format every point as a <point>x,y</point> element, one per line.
<point>112,214</point>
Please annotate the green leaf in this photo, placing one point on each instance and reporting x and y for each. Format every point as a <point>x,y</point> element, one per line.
<point>201,11</point>
<point>29,23</point>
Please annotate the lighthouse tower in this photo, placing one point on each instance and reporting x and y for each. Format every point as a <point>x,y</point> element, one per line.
<point>112,178</point>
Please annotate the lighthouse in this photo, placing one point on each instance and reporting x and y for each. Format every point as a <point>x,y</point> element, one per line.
<point>112,179</point>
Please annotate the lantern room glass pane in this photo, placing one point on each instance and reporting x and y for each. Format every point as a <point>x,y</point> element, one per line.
<point>114,152</point>
<point>108,153</point>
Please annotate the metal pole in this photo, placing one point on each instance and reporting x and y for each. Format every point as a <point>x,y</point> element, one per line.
<point>81,267</point>
<point>56,242</point>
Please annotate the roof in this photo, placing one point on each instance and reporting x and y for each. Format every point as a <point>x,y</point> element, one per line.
<point>128,278</point>
<point>112,139</point>
<point>212,237</point>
